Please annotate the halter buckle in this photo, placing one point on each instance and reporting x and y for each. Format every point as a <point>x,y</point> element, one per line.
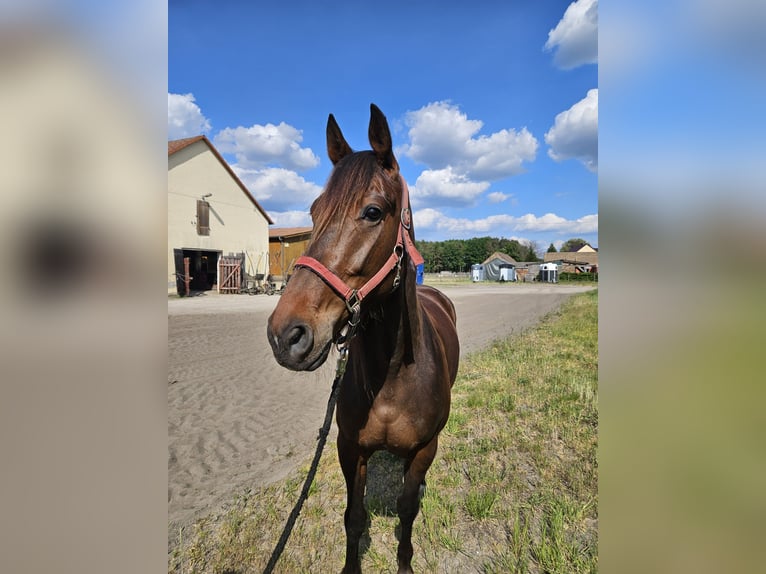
<point>353,304</point>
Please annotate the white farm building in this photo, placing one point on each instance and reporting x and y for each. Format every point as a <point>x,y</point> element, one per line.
<point>211,216</point>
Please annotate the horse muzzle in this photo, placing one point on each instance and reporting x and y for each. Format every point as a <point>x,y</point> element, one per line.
<point>294,345</point>
<point>307,319</point>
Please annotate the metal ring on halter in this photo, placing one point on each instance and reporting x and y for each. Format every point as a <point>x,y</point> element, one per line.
<point>406,218</point>
<point>342,338</point>
<point>399,252</point>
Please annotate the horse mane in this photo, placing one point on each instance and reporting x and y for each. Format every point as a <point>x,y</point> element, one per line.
<point>356,171</point>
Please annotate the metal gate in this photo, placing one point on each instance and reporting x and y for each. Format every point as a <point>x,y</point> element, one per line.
<point>230,273</point>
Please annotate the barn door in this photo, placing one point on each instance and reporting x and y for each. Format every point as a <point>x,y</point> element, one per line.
<point>178,257</point>
<point>230,272</point>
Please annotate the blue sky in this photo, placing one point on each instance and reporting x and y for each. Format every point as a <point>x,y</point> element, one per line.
<point>493,105</point>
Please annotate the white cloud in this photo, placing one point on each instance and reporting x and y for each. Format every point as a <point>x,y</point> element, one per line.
<point>501,224</point>
<point>574,134</point>
<point>291,218</point>
<point>497,197</point>
<point>445,187</point>
<point>442,136</point>
<point>553,222</point>
<point>575,37</point>
<point>260,146</point>
<point>278,189</point>
<point>185,119</point>
<point>438,134</point>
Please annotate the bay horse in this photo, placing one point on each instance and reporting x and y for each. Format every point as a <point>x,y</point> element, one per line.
<point>356,287</point>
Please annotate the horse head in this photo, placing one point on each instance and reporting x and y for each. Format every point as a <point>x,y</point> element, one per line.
<point>355,252</point>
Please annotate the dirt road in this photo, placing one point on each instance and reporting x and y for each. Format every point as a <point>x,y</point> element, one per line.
<point>237,420</point>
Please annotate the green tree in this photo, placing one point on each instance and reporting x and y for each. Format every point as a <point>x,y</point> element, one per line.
<point>453,255</point>
<point>529,252</point>
<point>551,248</point>
<point>426,249</point>
<point>475,250</point>
<point>513,248</point>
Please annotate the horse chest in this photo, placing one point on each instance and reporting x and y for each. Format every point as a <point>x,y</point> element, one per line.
<point>395,428</point>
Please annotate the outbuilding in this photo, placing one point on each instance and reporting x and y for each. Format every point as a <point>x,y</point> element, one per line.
<point>584,260</point>
<point>286,244</point>
<point>493,264</point>
<point>216,228</point>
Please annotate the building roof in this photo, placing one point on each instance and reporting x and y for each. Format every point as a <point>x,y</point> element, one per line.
<point>499,255</point>
<point>175,146</point>
<point>572,257</point>
<point>277,232</point>
<point>178,145</point>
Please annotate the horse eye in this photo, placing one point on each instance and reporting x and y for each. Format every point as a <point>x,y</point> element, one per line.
<point>372,213</point>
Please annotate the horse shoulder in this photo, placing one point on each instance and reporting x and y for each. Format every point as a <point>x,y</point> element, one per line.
<point>434,300</point>
<point>439,315</point>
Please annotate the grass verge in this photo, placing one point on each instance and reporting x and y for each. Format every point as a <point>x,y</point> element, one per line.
<point>513,488</point>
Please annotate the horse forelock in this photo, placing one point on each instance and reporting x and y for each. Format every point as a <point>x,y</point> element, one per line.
<point>353,175</point>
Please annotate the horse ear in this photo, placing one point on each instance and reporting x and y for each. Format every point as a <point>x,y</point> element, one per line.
<point>380,139</point>
<point>337,148</point>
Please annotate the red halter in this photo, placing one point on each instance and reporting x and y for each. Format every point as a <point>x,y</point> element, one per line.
<point>353,297</point>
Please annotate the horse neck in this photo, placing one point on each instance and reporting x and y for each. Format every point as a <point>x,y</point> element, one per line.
<point>393,334</point>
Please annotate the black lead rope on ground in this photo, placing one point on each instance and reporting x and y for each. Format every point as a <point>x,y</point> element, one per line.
<point>321,440</point>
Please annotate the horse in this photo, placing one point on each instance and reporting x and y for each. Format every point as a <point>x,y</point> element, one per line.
<point>356,287</point>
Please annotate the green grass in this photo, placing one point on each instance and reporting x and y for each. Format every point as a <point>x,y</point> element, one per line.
<point>513,488</point>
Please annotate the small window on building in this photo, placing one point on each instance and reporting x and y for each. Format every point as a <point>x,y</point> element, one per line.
<point>203,217</point>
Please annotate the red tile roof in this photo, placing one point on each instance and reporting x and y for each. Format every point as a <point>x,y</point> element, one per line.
<point>178,145</point>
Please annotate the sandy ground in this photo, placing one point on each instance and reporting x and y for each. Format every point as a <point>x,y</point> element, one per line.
<point>236,420</point>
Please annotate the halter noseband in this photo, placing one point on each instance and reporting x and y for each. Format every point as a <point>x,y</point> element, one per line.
<point>353,297</point>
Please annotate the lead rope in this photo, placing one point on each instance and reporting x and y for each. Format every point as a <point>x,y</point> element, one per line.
<point>340,369</point>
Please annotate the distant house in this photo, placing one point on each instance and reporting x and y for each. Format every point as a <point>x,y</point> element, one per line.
<point>286,244</point>
<point>495,263</point>
<point>584,260</point>
<point>213,220</point>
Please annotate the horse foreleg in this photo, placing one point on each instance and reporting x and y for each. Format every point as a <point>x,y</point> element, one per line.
<point>354,466</point>
<point>408,503</point>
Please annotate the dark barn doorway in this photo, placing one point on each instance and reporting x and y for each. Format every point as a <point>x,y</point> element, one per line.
<point>203,268</point>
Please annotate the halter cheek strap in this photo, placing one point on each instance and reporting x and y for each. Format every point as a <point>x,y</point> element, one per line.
<point>353,297</point>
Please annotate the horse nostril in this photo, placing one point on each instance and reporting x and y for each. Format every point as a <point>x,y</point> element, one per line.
<point>296,335</point>
<point>299,341</point>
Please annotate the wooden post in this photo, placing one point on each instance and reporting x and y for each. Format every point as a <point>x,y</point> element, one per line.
<point>187,277</point>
